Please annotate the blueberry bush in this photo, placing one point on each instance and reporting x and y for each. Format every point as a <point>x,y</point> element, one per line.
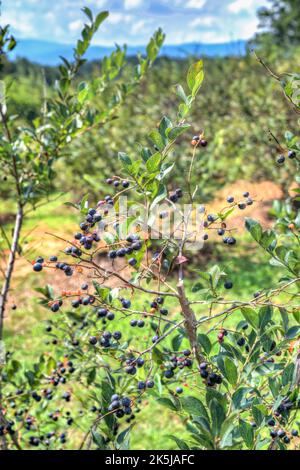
<point>129,325</point>
<point>134,316</point>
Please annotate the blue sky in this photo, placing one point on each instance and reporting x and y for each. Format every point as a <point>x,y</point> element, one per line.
<point>133,21</point>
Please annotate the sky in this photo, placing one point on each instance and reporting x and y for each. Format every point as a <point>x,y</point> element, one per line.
<point>133,21</point>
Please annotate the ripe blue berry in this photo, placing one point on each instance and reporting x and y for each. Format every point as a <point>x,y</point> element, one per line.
<point>37,267</point>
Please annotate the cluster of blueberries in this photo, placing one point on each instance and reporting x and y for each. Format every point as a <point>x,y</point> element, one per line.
<point>7,428</point>
<point>198,140</point>
<point>281,433</point>
<point>135,245</point>
<point>211,218</point>
<point>177,194</point>
<point>105,339</point>
<point>291,155</point>
<point>120,406</point>
<point>178,362</point>
<point>211,378</point>
<point>116,183</point>
<point>85,240</point>
<point>36,441</point>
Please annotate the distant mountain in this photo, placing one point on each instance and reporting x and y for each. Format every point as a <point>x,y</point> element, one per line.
<point>47,53</point>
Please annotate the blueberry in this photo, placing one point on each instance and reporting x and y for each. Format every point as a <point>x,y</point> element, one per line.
<point>110,316</point>
<point>125,184</point>
<point>55,307</point>
<point>203,365</point>
<point>164,311</point>
<point>281,433</point>
<point>37,267</point>
<point>140,323</point>
<point>155,339</point>
<point>179,390</point>
<point>168,374</point>
<point>292,154</point>
<point>246,194</point>
<point>102,312</point>
<point>241,342</point>
<point>121,252</point>
<point>112,254</point>
<point>174,197</point>
<point>133,322</point>
<point>286,440</point>
<point>126,401</point>
<point>211,217</point>
<point>205,237</point>
<point>228,285</point>
<point>281,159</point>
<point>120,413</point>
<point>126,303</point>
<point>271,422</point>
<point>231,241</point>
<point>186,352</point>
<point>53,258</point>
<point>114,397</point>
<point>149,384</point>
<point>93,340</point>
<point>273,433</point>
<point>294,432</point>
<point>141,385</point>
<point>132,262</point>
<point>140,362</point>
<point>242,205</point>
<point>230,199</point>
<point>78,236</point>
<point>221,231</point>
<point>136,246</point>
<point>117,335</point>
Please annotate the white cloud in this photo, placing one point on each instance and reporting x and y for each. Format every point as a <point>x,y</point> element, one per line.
<point>203,21</point>
<point>194,4</point>
<point>22,22</point>
<point>117,17</point>
<point>138,27</point>
<point>75,25</point>
<point>131,4</point>
<point>238,6</point>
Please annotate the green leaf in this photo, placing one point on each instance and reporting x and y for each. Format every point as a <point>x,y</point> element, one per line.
<point>250,316</point>
<point>254,228</point>
<point>157,139</point>
<point>195,77</point>
<point>166,402</point>
<point>193,406</point>
<point>100,18</point>
<point>231,372</point>
<point>153,162</point>
<point>177,131</point>
<point>204,342</point>
<point>182,445</point>
<point>217,416</point>
<point>292,332</point>
<point>247,433</point>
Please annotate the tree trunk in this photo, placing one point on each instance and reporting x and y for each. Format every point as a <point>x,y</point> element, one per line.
<point>10,267</point>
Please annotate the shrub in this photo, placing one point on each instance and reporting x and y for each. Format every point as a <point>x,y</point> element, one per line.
<point>136,326</point>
